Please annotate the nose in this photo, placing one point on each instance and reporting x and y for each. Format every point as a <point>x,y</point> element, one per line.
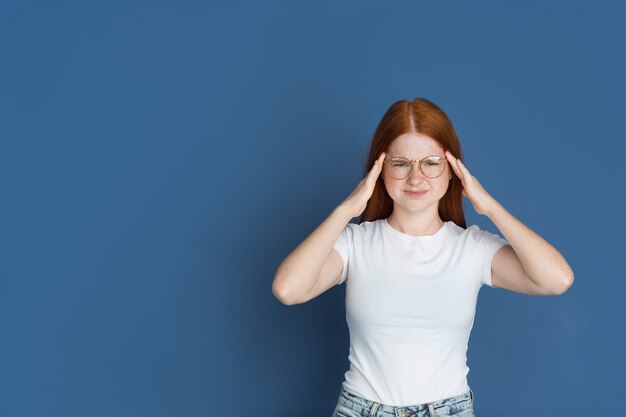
<point>416,175</point>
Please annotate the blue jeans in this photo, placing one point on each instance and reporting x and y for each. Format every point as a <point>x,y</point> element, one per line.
<point>351,405</point>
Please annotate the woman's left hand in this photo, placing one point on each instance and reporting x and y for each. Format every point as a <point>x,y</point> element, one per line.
<point>480,198</point>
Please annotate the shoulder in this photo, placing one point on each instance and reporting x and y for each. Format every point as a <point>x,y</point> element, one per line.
<point>365,227</point>
<point>368,231</point>
<point>473,234</point>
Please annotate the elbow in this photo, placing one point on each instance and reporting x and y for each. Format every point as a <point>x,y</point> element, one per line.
<point>567,283</point>
<point>280,294</point>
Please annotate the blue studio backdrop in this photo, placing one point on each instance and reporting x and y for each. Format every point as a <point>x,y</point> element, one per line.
<point>159,159</point>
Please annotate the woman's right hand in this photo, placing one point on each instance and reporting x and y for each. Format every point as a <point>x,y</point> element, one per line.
<point>356,202</point>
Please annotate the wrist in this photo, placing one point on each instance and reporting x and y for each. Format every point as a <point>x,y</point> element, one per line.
<point>493,208</point>
<point>344,212</point>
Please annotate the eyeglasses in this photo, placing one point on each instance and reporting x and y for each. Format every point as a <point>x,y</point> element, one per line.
<point>400,168</point>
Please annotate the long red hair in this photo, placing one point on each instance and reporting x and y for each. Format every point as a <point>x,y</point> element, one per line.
<point>416,116</point>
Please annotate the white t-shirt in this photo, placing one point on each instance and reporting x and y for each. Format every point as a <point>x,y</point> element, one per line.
<point>410,306</point>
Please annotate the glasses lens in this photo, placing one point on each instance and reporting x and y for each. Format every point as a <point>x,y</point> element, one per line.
<point>433,166</point>
<point>399,168</point>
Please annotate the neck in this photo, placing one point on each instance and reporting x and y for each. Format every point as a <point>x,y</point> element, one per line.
<point>414,224</point>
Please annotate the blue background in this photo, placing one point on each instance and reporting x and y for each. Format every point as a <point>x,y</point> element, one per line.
<point>160,159</point>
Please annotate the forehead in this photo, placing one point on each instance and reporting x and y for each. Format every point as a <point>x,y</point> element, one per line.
<point>414,146</point>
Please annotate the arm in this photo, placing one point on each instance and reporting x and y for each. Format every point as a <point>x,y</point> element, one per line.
<point>542,262</point>
<point>533,266</point>
<point>297,273</point>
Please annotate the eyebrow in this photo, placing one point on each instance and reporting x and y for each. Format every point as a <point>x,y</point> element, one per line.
<point>434,154</point>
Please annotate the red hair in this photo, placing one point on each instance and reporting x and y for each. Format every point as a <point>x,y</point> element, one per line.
<point>417,116</point>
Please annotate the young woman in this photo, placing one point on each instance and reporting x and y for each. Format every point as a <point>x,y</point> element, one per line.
<point>413,269</point>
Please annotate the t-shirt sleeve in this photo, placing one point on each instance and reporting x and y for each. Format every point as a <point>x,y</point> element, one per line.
<point>343,244</point>
<point>488,245</point>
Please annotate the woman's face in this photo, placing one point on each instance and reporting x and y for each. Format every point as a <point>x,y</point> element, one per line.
<point>415,146</point>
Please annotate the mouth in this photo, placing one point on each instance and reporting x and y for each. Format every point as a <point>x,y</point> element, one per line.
<point>417,193</point>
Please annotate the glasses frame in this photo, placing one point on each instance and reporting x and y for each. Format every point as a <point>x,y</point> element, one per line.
<point>419,164</point>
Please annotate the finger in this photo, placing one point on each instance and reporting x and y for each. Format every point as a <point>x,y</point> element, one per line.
<point>463,168</point>
<point>454,163</point>
<point>464,171</point>
<point>378,163</point>
<point>452,160</point>
<point>377,167</point>
<point>372,171</point>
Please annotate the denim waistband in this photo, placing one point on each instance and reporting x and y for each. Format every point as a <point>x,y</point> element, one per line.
<point>366,407</point>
